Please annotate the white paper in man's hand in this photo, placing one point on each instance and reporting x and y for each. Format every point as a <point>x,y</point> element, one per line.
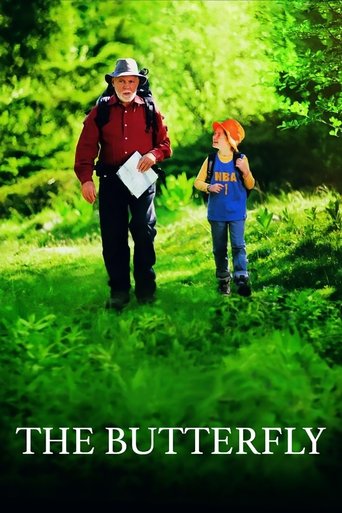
<point>134,180</point>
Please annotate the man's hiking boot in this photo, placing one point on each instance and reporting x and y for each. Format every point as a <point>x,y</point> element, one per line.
<point>148,299</point>
<point>243,286</point>
<point>224,286</point>
<point>145,297</point>
<point>117,301</point>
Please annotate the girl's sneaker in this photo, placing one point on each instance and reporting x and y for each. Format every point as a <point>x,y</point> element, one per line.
<point>224,286</point>
<point>243,286</point>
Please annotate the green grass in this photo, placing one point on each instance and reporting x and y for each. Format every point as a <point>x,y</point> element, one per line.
<point>191,359</point>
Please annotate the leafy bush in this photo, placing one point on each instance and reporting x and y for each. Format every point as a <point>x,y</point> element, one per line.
<point>177,192</point>
<point>334,212</point>
<point>264,218</point>
<point>30,196</point>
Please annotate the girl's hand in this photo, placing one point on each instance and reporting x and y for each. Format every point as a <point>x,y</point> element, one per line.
<point>216,187</point>
<point>243,165</point>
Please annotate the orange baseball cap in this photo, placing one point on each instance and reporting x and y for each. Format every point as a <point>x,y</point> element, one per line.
<point>233,129</point>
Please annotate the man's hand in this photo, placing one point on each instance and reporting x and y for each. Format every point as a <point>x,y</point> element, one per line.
<point>146,162</point>
<point>89,191</point>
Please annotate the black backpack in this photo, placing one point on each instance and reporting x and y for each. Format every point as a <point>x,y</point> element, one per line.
<point>144,91</point>
<point>210,168</point>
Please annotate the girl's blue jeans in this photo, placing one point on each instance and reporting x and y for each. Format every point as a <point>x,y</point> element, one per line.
<point>219,232</point>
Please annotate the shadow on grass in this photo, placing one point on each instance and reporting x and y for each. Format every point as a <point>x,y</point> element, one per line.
<point>307,266</point>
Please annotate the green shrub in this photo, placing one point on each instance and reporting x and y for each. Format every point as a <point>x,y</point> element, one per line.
<point>31,195</point>
<point>177,192</point>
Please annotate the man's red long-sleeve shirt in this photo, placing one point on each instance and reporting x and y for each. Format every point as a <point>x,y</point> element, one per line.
<point>118,139</point>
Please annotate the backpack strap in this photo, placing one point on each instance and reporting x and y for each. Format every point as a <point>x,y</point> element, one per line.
<point>237,155</point>
<point>151,118</point>
<point>210,167</point>
<point>102,115</point>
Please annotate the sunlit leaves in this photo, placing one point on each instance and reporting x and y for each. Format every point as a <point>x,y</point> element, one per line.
<point>309,60</point>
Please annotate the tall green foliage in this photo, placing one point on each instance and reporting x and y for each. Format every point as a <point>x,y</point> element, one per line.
<point>24,32</point>
<point>23,39</point>
<point>56,70</point>
<point>307,47</point>
<point>205,62</point>
<point>44,80</point>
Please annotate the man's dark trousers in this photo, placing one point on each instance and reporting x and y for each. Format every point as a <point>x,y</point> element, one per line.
<point>120,212</point>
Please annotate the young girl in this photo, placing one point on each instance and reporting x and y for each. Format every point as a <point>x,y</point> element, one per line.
<point>227,204</point>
